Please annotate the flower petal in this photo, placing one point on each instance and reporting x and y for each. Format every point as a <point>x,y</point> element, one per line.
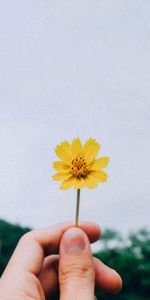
<point>60,166</point>
<point>68,183</point>
<point>99,163</point>
<point>63,151</point>
<point>91,149</point>
<point>100,175</point>
<point>79,183</point>
<point>61,176</point>
<point>90,182</point>
<point>76,147</point>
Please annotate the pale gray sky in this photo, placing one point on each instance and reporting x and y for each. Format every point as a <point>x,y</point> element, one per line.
<point>68,69</point>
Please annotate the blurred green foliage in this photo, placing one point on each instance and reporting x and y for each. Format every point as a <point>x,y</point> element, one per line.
<point>130,257</point>
<point>9,237</point>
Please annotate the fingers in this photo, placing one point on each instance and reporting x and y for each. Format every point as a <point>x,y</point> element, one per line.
<point>34,246</point>
<point>107,279</point>
<point>49,276</point>
<point>49,238</point>
<point>76,268</point>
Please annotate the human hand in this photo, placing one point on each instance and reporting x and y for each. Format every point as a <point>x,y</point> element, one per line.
<point>33,272</point>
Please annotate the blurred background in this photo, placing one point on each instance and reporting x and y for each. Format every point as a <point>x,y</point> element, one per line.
<point>68,69</point>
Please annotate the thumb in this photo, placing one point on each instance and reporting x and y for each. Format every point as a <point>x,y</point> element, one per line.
<point>76,270</point>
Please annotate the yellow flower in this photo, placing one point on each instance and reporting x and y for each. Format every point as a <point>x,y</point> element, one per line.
<point>78,166</point>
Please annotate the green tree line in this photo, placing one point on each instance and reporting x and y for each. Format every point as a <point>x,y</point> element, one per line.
<point>129,256</point>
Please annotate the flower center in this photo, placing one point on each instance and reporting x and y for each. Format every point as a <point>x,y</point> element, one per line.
<point>79,167</point>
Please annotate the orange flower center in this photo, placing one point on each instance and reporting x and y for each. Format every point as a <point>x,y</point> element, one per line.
<point>79,167</point>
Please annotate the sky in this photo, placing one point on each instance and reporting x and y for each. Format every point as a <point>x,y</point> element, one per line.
<point>69,69</point>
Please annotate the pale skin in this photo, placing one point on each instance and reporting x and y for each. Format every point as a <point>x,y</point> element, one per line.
<point>56,263</point>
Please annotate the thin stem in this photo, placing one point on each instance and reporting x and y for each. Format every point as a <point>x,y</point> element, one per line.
<point>77,206</point>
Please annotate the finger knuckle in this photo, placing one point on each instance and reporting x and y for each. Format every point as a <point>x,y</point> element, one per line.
<point>27,237</point>
<point>79,270</point>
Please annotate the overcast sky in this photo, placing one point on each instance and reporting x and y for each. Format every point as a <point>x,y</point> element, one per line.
<point>68,69</point>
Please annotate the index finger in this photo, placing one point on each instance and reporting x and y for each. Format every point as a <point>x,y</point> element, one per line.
<point>35,245</point>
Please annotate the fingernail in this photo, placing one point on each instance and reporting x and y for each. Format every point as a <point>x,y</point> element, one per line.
<point>73,241</point>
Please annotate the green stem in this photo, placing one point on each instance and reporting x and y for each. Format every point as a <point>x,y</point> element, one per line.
<point>77,206</point>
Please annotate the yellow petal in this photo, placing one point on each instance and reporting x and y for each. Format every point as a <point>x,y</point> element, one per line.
<point>90,182</point>
<point>100,175</point>
<point>61,176</point>
<point>68,183</point>
<point>79,183</point>
<point>76,147</point>
<point>63,151</point>
<point>60,166</point>
<point>66,146</point>
<point>91,149</point>
<point>99,163</point>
